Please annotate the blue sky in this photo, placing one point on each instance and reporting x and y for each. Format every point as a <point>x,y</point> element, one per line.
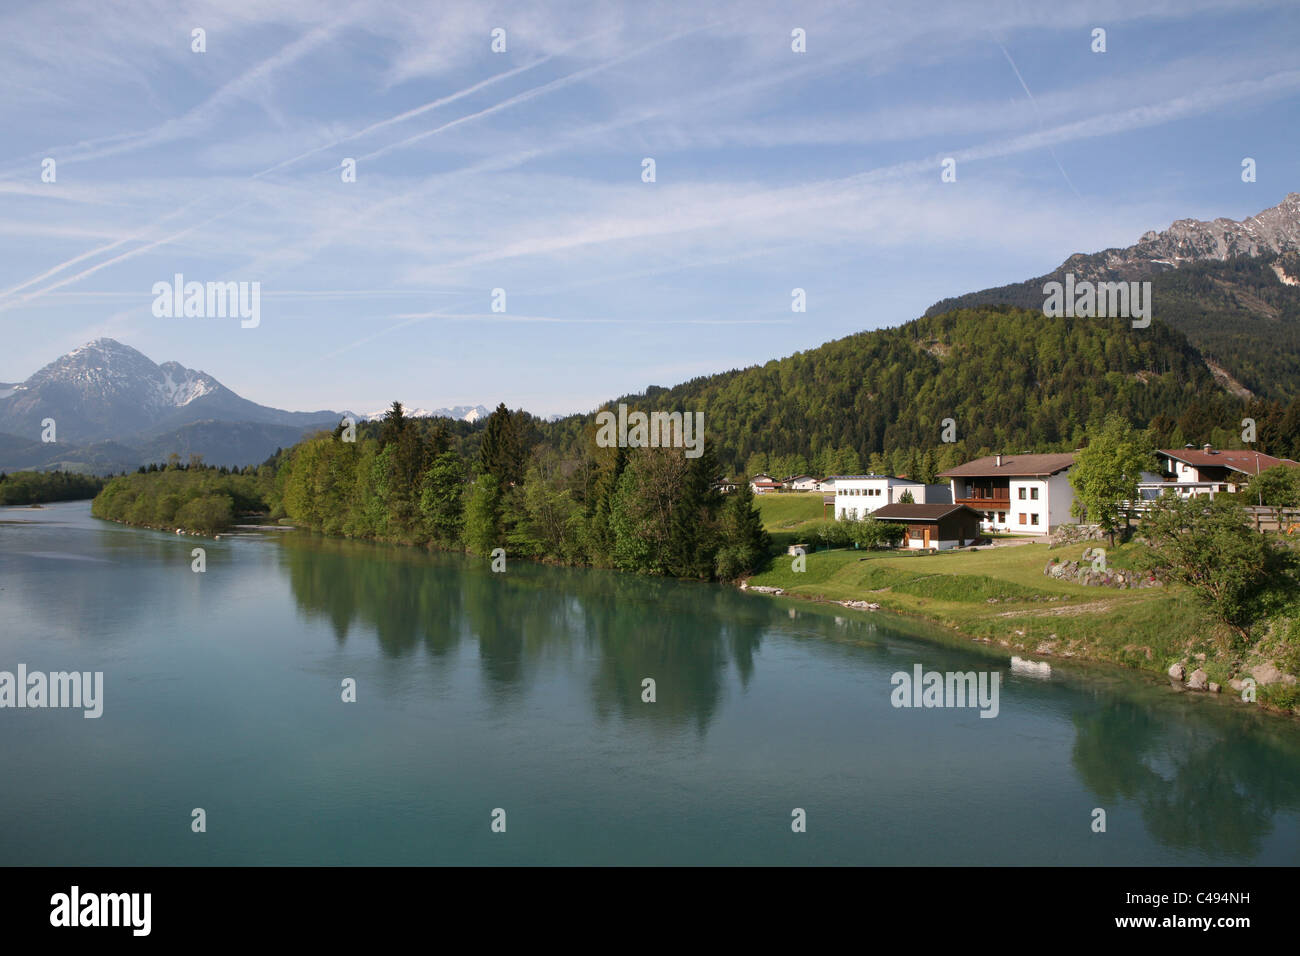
<point>522,170</point>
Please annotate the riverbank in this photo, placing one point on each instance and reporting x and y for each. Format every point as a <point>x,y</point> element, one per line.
<point>214,534</point>
<point>1001,596</point>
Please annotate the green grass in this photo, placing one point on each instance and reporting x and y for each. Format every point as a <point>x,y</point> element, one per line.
<point>788,516</point>
<point>1001,594</point>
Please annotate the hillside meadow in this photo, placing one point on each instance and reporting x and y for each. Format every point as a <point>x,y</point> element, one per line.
<point>1001,596</point>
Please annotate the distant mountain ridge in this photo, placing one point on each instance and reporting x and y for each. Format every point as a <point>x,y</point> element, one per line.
<point>107,391</point>
<point>1233,288</point>
<point>464,413</point>
<point>115,408</point>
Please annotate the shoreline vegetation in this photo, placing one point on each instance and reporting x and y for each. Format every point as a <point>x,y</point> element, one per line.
<point>497,490</point>
<point>1007,596</point>
<point>41,487</point>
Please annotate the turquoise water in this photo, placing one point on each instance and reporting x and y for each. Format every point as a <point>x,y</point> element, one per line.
<point>523,691</point>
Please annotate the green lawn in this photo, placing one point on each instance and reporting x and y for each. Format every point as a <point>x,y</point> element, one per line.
<point>1001,594</point>
<point>787,516</point>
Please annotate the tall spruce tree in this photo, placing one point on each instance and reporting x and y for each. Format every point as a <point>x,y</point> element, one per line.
<point>743,542</point>
<point>693,540</point>
<point>501,454</point>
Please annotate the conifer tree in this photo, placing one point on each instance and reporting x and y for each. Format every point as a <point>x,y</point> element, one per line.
<point>743,542</point>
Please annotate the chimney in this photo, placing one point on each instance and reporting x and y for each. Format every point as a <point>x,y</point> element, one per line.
<point>1208,449</point>
<point>997,460</point>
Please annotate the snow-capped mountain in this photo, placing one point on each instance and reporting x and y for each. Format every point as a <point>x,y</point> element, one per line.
<point>105,391</point>
<point>465,413</point>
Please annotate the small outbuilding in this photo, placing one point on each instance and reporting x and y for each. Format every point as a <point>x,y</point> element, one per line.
<point>933,526</point>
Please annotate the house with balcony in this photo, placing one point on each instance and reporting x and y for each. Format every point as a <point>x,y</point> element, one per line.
<point>858,496</point>
<point>764,483</point>
<point>801,483</point>
<point>1192,471</point>
<point>1021,494</point>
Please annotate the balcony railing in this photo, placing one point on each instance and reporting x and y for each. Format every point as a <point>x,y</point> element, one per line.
<point>986,502</point>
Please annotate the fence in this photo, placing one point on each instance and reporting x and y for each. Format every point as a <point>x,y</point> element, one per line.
<point>1261,518</point>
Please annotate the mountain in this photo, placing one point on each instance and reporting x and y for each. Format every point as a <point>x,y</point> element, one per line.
<point>1224,343</point>
<point>114,408</point>
<point>1009,379</point>
<point>1233,288</point>
<point>464,413</point>
<point>1275,230</point>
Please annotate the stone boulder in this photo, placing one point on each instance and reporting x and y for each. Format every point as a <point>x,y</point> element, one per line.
<point>1266,674</point>
<point>1177,672</point>
<point>1199,680</point>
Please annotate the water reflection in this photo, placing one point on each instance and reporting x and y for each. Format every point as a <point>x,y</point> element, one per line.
<point>1198,784</point>
<point>682,635</point>
<point>1204,779</point>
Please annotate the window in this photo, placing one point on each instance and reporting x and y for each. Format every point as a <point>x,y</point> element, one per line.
<point>1021,518</point>
<point>1022,494</point>
<point>1033,493</point>
<point>1033,519</point>
<point>988,516</point>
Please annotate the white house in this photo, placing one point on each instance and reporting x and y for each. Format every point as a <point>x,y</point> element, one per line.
<point>857,496</point>
<point>1205,471</point>
<point>763,483</point>
<point>801,483</point>
<point>1023,494</point>
<point>827,484</point>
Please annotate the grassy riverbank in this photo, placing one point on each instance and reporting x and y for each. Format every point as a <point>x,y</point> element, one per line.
<point>1002,596</point>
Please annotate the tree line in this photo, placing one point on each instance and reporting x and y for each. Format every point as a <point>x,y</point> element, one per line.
<point>33,487</point>
<point>944,389</point>
<point>649,510</point>
<point>193,497</point>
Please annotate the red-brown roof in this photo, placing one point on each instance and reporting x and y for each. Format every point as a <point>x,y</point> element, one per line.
<point>1235,458</point>
<point>1013,466</point>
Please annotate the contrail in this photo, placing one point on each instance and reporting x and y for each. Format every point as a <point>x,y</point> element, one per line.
<point>545,88</point>
<point>401,117</point>
<point>1034,103</point>
<point>93,252</point>
<point>4,306</point>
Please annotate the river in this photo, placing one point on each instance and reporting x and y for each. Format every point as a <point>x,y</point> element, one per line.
<point>517,697</point>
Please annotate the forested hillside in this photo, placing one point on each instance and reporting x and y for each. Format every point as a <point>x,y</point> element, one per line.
<point>1242,314</point>
<point>1010,379</point>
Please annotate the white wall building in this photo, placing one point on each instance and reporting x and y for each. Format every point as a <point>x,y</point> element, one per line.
<point>857,496</point>
<point>1020,494</point>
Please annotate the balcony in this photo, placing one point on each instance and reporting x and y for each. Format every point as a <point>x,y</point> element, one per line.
<point>987,502</point>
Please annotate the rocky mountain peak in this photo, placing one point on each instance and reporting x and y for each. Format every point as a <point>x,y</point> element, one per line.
<point>1275,230</point>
